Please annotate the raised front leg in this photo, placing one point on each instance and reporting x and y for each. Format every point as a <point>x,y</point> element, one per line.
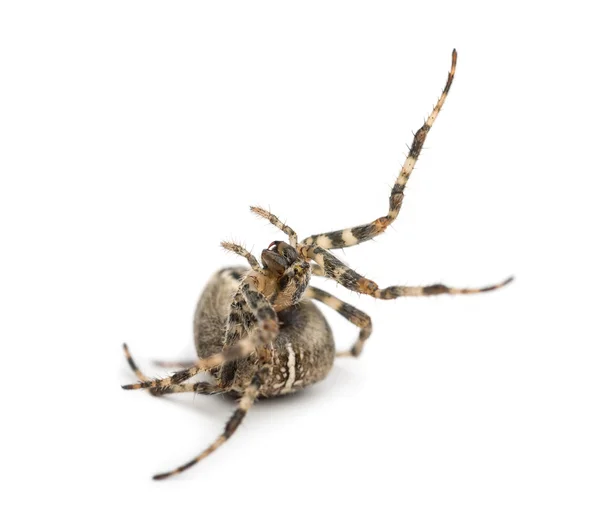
<point>247,303</point>
<point>243,252</point>
<point>293,237</point>
<point>356,235</point>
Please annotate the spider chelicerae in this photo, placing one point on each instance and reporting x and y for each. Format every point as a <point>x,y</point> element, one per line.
<point>258,332</point>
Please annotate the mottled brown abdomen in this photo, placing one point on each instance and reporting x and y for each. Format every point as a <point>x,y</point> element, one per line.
<point>302,354</point>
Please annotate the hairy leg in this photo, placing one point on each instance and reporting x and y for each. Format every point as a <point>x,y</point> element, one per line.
<point>293,237</point>
<point>248,398</point>
<point>246,301</point>
<point>352,280</point>
<point>202,388</point>
<point>243,252</point>
<point>350,313</point>
<point>356,235</point>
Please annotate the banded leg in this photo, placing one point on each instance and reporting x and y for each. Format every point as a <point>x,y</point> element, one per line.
<point>243,252</point>
<point>261,308</point>
<point>243,348</point>
<point>235,348</point>
<point>249,307</point>
<point>202,388</point>
<point>277,223</point>
<point>250,394</point>
<point>359,234</point>
<point>247,301</point>
<point>350,313</point>
<point>352,280</point>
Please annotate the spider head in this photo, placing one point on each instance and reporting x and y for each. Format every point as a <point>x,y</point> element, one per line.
<point>290,272</point>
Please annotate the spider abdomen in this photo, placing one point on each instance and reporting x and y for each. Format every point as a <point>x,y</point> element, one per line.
<point>302,353</point>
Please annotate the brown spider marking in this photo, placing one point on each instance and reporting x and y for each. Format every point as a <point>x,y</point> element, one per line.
<point>258,332</point>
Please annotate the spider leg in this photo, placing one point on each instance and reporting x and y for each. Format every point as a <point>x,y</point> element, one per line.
<point>173,364</point>
<point>262,310</point>
<point>352,280</point>
<point>350,313</point>
<point>241,349</point>
<point>248,398</point>
<point>277,223</point>
<point>247,300</point>
<point>202,388</point>
<point>356,235</point>
<point>249,307</point>
<point>243,252</point>
<point>393,292</point>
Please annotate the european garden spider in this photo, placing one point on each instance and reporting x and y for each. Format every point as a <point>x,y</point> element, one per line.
<point>258,332</point>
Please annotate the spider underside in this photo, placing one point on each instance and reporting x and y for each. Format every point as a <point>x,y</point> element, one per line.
<point>257,330</point>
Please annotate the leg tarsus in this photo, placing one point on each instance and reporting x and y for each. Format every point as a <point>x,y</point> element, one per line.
<point>394,292</point>
<point>248,398</point>
<point>241,349</point>
<point>138,373</point>
<point>202,388</point>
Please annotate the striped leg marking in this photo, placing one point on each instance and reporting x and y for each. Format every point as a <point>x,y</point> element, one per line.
<point>246,302</point>
<point>241,349</point>
<point>277,223</point>
<point>261,308</point>
<point>394,292</point>
<point>350,313</point>
<point>353,236</point>
<point>203,388</point>
<point>352,280</point>
<point>243,252</point>
<point>250,394</point>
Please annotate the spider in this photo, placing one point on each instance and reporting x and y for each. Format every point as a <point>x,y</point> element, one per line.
<point>258,332</point>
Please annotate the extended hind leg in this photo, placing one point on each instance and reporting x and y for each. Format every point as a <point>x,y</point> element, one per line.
<point>248,398</point>
<point>356,235</point>
<point>350,313</point>
<point>203,388</point>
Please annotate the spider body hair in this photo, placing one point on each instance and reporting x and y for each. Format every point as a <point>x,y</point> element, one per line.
<point>301,354</point>
<point>257,330</point>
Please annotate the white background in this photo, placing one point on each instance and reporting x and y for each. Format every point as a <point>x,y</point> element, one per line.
<point>134,136</point>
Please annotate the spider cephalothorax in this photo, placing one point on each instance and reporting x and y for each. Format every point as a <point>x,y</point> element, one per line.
<point>257,330</point>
